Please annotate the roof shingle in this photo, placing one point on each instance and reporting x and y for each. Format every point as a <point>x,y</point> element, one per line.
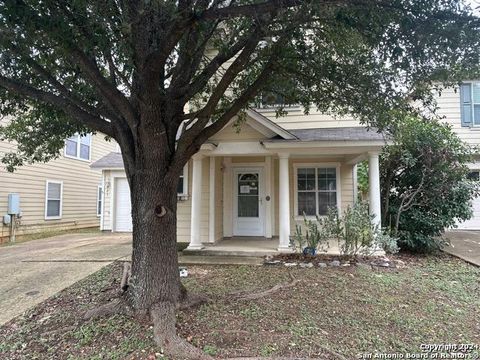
<point>112,160</point>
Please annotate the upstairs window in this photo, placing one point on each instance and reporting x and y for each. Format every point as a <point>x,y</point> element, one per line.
<point>470,104</point>
<point>271,100</point>
<point>79,147</point>
<point>281,94</point>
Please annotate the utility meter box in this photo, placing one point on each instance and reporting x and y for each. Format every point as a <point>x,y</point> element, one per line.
<point>13,204</point>
<point>7,219</point>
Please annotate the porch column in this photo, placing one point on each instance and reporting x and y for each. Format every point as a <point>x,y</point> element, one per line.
<point>211,206</point>
<point>374,188</point>
<point>284,203</point>
<point>195,241</point>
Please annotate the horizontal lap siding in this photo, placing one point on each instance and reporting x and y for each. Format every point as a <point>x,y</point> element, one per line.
<point>243,132</point>
<point>296,119</point>
<point>79,199</point>
<point>183,206</point>
<point>346,183</point>
<point>449,110</point>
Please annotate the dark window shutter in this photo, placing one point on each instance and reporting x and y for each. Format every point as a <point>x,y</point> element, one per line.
<point>466,104</point>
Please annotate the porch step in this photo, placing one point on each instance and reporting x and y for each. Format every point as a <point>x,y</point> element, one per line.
<point>186,260</point>
<point>234,252</point>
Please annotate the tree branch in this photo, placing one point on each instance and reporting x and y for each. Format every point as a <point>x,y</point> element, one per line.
<point>251,9</point>
<point>192,139</point>
<point>77,114</point>
<point>230,51</point>
<point>106,89</point>
<point>61,88</point>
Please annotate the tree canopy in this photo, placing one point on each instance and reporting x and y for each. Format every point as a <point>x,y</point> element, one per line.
<point>162,76</point>
<point>70,66</point>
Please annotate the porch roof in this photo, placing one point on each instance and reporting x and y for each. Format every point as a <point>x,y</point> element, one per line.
<point>359,138</point>
<point>112,161</point>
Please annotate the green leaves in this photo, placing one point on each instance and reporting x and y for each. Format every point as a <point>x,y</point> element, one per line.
<point>114,62</point>
<point>428,165</point>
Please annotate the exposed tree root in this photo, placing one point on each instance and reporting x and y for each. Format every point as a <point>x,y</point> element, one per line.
<point>127,273</point>
<point>163,317</point>
<point>264,293</point>
<point>192,300</point>
<point>162,314</point>
<point>114,307</point>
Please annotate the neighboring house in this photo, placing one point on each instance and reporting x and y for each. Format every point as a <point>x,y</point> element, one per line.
<point>460,107</point>
<point>258,182</point>
<point>61,194</point>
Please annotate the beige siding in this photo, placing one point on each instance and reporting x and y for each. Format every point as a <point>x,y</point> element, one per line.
<point>184,207</point>
<point>242,133</point>
<point>297,119</point>
<point>346,184</point>
<point>449,110</point>
<point>80,183</point>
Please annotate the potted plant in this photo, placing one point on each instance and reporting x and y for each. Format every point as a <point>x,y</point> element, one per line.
<point>315,238</point>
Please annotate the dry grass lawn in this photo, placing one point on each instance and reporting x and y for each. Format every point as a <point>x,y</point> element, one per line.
<point>333,313</point>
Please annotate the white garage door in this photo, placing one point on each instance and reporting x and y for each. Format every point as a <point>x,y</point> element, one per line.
<point>474,222</point>
<point>123,208</point>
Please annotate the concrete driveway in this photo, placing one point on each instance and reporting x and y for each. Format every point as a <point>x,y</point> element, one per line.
<point>31,272</point>
<point>465,245</point>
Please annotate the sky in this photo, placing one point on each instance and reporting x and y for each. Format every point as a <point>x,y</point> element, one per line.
<point>475,4</point>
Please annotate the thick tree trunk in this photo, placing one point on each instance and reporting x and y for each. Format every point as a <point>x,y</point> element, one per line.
<point>155,276</point>
<point>154,287</point>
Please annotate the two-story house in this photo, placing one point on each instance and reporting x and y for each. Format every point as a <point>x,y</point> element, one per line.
<point>61,194</point>
<point>258,182</point>
<point>460,107</point>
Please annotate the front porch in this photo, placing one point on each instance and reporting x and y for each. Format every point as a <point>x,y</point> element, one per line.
<point>249,189</point>
<point>248,246</point>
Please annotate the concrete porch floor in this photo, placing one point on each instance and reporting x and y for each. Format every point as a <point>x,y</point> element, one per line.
<point>248,246</point>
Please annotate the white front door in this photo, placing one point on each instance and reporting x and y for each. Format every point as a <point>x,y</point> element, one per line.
<point>123,207</point>
<point>248,206</point>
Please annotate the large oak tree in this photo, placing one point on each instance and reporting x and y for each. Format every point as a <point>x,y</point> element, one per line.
<point>138,71</point>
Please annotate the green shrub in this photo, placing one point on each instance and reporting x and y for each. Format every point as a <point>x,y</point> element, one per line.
<point>354,232</point>
<point>424,181</point>
<point>387,242</point>
<point>316,235</point>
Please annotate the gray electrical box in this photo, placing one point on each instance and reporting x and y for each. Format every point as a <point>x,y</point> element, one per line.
<point>13,204</point>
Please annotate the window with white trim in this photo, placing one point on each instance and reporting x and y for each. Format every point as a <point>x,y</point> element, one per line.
<point>182,188</point>
<point>53,199</point>
<point>79,146</point>
<point>470,104</point>
<point>99,200</point>
<point>316,190</point>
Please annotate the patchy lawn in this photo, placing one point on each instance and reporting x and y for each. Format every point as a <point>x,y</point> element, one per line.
<point>49,233</point>
<point>332,311</point>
